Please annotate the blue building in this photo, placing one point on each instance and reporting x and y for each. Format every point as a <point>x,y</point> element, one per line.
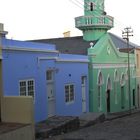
<point>57,82</point>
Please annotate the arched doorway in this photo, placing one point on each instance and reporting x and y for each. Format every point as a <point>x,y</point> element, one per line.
<point>100,82</point>
<point>134,102</point>
<point>108,91</point>
<point>122,97</point>
<point>138,93</point>
<point>122,82</point>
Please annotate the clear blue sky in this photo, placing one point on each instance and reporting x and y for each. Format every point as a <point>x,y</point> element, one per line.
<point>34,19</point>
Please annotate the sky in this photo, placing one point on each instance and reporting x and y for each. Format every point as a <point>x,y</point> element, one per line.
<point>40,19</point>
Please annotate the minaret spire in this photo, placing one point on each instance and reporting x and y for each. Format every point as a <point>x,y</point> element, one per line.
<point>95,22</point>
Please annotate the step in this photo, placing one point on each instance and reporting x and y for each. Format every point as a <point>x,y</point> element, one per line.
<point>88,119</point>
<point>56,125</point>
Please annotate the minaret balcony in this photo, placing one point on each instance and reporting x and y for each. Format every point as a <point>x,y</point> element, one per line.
<point>91,22</point>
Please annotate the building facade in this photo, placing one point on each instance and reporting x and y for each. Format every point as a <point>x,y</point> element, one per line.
<point>57,82</point>
<point>112,81</point>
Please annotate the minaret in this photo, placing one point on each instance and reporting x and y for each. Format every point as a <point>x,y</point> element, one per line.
<point>95,22</point>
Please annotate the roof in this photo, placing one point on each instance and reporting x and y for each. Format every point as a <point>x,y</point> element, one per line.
<point>121,43</point>
<point>69,45</point>
<point>76,45</point>
<point>10,43</point>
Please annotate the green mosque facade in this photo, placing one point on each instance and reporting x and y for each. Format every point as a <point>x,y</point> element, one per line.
<point>108,67</point>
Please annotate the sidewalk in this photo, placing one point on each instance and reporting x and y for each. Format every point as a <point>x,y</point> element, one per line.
<point>58,125</point>
<point>112,116</point>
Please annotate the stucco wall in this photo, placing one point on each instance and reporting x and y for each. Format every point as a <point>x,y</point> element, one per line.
<point>71,73</point>
<point>18,109</point>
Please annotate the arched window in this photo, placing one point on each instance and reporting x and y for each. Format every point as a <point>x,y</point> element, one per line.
<point>126,74</point>
<point>91,6</point>
<point>99,84</point>
<point>133,73</point>
<point>108,91</point>
<point>116,76</point>
<point>100,79</point>
<point>126,78</point>
<point>116,79</point>
<point>122,81</point>
<point>108,83</point>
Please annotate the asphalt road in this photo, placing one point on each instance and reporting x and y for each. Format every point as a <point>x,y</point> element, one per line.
<point>126,128</point>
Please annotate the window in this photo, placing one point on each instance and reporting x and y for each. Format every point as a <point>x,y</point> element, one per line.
<point>116,79</point>
<point>122,81</point>
<point>99,83</point>
<point>69,93</point>
<point>126,74</point>
<point>83,80</point>
<point>91,6</point>
<point>116,76</point>
<point>49,75</point>
<point>133,73</point>
<point>27,88</point>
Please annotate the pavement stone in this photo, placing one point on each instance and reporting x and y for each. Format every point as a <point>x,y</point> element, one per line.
<point>121,128</point>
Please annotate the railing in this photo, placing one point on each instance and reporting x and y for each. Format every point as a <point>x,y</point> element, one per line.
<point>90,21</point>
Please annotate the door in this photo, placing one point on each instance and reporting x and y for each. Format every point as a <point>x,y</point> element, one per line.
<point>50,93</point>
<point>83,82</point>
<point>122,97</point>
<point>138,93</point>
<point>108,100</point>
<point>134,103</point>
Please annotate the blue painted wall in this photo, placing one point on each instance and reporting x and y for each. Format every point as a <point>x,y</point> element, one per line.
<point>22,65</point>
<point>71,73</point>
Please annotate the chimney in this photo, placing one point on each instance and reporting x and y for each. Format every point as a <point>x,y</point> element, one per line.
<point>2,32</point>
<point>66,34</point>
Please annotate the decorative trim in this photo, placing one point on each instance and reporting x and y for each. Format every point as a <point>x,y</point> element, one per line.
<point>56,58</point>
<point>72,60</point>
<point>109,65</point>
<point>30,50</point>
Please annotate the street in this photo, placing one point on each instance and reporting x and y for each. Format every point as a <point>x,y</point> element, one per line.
<point>126,128</point>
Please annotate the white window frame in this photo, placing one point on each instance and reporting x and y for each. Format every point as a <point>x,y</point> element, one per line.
<point>26,86</point>
<point>69,101</point>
